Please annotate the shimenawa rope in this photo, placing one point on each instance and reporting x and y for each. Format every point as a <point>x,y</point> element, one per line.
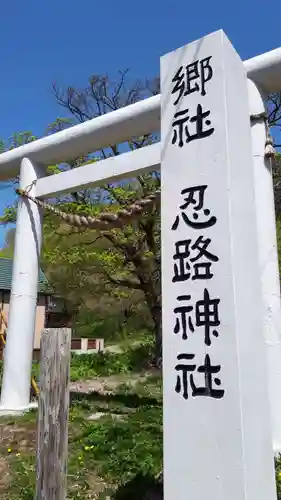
<point>104,220</point>
<point>269,151</point>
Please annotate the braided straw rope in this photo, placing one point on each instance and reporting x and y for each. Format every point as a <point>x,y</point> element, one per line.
<point>105,220</point>
<point>269,151</point>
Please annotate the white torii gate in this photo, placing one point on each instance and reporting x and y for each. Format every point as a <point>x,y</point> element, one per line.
<point>232,166</point>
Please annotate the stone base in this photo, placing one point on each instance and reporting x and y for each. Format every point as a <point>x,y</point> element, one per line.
<point>5,412</point>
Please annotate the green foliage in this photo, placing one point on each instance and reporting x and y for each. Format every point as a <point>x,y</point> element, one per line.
<point>115,450</point>
<point>118,451</point>
<point>101,271</point>
<point>24,471</point>
<point>59,124</point>
<point>94,271</point>
<point>114,325</point>
<point>9,214</point>
<point>133,359</point>
<point>121,450</point>
<point>6,253</point>
<point>278,476</point>
<point>278,232</point>
<point>8,250</point>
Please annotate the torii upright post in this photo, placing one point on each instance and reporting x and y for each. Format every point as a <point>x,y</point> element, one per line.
<point>15,394</point>
<point>268,256</point>
<point>217,428</point>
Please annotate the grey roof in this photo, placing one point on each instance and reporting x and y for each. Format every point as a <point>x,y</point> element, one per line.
<point>6,268</point>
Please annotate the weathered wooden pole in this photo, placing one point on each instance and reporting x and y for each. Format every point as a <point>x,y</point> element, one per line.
<point>52,433</point>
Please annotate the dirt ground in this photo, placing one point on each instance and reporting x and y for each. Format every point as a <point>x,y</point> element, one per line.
<point>105,384</point>
<point>19,436</point>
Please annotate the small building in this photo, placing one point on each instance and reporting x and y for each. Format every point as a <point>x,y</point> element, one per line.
<point>51,311</point>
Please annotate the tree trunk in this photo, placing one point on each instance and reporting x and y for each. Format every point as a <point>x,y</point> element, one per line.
<point>157,318</point>
<point>151,286</point>
<point>156,313</point>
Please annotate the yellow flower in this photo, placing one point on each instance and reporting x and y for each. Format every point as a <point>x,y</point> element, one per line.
<point>279,474</point>
<point>9,450</point>
<point>87,448</point>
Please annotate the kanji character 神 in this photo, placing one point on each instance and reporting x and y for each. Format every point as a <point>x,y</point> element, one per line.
<point>206,315</point>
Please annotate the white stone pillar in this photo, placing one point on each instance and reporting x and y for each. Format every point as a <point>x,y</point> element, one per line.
<point>100,345</point>
<point>84,345</point>
<point>267,250</point>
<point>217,428</point>
<point>15,394</point>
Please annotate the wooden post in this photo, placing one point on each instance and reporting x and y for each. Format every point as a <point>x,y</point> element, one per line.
<point>52,433</point>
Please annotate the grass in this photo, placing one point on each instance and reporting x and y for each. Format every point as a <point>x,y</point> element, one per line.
<point>104,455</point>
<point>106,364</point>
<point>116,456</point>
<point>126,441</point>
<point>113,455</point>
<point>134,359</point>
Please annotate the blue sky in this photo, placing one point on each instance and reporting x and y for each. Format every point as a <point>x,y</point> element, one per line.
<point>66,41</point>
